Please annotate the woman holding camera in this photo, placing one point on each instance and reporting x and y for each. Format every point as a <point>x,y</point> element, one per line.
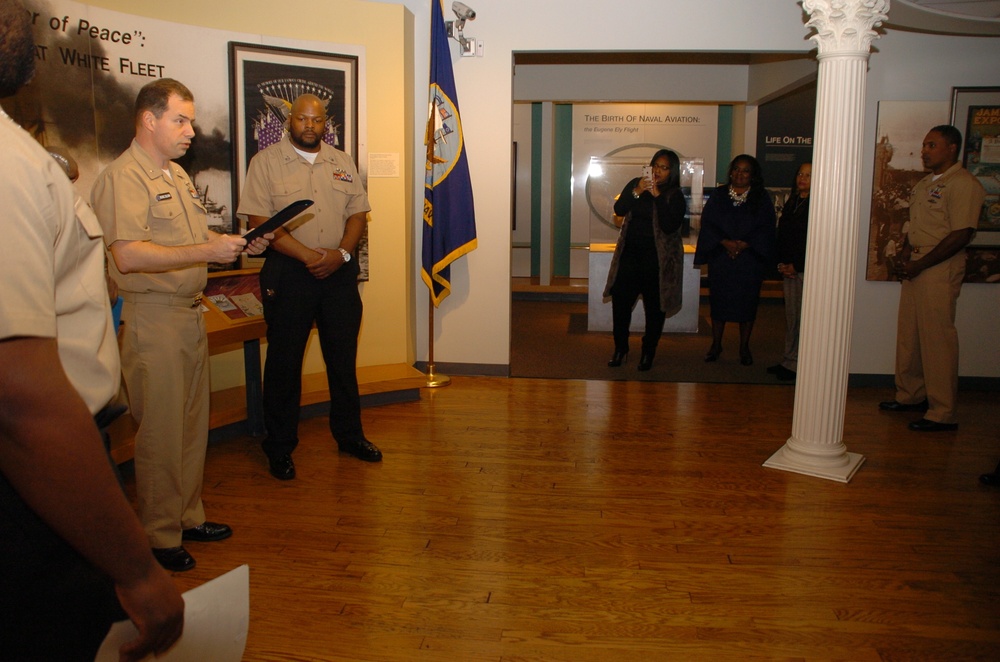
<point>648,257</point>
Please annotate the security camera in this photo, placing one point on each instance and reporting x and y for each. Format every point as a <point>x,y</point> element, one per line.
<point>463,11</point>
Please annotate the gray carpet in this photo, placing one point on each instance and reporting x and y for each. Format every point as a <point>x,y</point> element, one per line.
<point>550,340</point>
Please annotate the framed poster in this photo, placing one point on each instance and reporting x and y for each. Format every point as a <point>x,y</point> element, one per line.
<point>975,111</point>
<point>264,81</point>
<point>900,131</point>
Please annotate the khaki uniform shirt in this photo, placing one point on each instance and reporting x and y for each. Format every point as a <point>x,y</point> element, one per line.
<point>136,201</point>
<point>52,268</point>
<point>278,176</point>
<point>939,207</point>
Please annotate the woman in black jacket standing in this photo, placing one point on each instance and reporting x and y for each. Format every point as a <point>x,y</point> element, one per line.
<point>792,228</point>
<point>649,256</point>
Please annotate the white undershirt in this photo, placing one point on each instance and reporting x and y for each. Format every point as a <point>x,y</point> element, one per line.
<point>308,156</point>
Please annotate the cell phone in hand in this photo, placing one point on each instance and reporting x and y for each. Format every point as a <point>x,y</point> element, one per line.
<point>647,174</point>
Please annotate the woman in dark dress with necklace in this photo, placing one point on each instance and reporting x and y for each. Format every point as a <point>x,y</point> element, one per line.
<point>649,256</point>
<point>736,241</point>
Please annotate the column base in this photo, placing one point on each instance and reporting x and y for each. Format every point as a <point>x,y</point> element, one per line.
<point>840,468</point>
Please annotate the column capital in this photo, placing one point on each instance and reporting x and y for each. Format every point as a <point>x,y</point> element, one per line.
<point>845,26</point>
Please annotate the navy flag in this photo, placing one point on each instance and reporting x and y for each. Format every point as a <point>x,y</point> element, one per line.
<point>449,217</point>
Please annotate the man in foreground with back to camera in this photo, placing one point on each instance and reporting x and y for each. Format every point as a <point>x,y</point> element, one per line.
<point>72,552</point>
<point>944,212</point>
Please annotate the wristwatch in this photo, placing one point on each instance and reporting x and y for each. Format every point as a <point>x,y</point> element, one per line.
<point>345,254</point>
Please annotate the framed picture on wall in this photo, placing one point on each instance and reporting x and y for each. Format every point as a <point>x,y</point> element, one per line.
<point>900,131</point>
<point>975,111</point>
<point>264,81</point>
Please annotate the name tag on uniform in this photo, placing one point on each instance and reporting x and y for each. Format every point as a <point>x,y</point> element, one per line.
<point>342,176</point>
<point>163,196</point>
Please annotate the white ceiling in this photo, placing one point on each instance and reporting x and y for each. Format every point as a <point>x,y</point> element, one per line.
<point>958,17</point>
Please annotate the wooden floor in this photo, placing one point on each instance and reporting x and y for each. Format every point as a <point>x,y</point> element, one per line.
<point>521,519</point>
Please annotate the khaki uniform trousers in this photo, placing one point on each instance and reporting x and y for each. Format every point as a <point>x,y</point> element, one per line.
<point>166,374</point>
<point>927,341</point>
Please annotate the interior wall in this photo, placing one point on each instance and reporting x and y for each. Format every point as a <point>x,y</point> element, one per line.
<point>469,324</point>
<point>903,66</point>
<point>914,67</point>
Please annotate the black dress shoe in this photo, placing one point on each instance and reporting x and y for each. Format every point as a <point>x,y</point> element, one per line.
<point>923,425</point>
<point>207,532</point>
<point>990,479</point>
<point>712,354</point>
<point>746,358</point>
<point>776,369</point>
<point>784,374</point>
<point>174,559</point>
<point>617,359</point>
<point>362,449</point>
<point>645,361</point>
<point>892,405</point>
<point>281,467</point>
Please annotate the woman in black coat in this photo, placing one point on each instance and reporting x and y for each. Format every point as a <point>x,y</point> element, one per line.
<point>649,256</point>
<point>792,229</point>
<point>736,241</point>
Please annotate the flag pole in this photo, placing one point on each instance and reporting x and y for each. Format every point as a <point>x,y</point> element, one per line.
<point>434,379</point>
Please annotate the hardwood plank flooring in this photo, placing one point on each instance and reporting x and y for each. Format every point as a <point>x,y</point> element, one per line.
<point>560,520</point>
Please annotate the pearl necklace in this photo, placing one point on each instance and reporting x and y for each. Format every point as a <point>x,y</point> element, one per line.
<point>738,198</point>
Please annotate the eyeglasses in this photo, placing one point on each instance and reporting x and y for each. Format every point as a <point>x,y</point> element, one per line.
<point>661,167</point>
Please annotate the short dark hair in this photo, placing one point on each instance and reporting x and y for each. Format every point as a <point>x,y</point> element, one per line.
<point>951,135</point>
<point>756,175</point>
<point>155,96</point>
<point>17,47</point>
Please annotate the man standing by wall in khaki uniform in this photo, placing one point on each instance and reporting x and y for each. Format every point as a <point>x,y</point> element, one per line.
<point>157,231</point>
<point>309,276</point>
<point>944,212</point>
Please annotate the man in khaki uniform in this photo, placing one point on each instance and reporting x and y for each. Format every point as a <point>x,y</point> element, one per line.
<point>944,212</point>
<point>309,277</point>
<point>156,229</point>
<point>72,551</point>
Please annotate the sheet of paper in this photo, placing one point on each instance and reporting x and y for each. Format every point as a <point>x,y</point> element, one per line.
<point>216,622</point>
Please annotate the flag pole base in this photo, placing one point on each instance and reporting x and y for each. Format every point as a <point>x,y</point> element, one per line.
<point>436,379</point>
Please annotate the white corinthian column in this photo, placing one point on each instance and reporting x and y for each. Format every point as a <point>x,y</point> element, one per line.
<point>844,34</point>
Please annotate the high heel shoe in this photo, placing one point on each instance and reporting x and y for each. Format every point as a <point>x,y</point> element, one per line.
<point>746,358</point>
<point>645,361</point>
<point>712,354</point>
<point>617,359</point>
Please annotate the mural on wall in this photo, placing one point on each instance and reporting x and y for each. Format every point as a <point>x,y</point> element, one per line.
<point>91,63</point>
<point>902,126</point>
<point>900,133</point>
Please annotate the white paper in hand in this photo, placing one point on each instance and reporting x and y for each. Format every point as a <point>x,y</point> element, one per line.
<point>216,621</point>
